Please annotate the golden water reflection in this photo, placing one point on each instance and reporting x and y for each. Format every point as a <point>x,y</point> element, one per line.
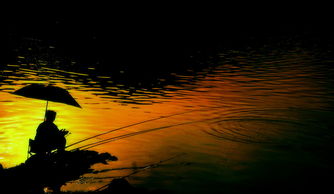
<point>242,107</point>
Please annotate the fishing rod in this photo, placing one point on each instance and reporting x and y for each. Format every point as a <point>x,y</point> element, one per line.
<point>142,169</point>
<point>94,144</point>
<point>134,124</point>
<point>90,145</point>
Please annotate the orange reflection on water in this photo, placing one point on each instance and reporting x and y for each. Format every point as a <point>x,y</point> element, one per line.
<point>17,126</point>
<point>243,105</point>
<point>20,116</point>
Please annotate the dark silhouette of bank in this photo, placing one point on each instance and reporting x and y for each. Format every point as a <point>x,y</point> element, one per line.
<point>52,171</point>
<point>48,136</point>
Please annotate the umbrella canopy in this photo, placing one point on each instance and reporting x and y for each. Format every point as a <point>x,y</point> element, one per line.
<point>48,93</point>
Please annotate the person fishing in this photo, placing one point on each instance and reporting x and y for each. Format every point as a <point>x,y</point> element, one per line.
<point>48,136</point>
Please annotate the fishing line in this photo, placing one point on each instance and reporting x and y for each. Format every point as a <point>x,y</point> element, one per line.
<point>94,144</point>
<point>87,146</point>
<point>138,123</point>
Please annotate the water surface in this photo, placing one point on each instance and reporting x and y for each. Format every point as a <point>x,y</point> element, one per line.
<point>252,118</point>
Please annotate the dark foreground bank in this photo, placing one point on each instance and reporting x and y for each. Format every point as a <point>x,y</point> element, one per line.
<point>50,171</point>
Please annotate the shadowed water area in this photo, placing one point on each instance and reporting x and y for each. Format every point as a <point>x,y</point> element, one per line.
<point>256,118</point>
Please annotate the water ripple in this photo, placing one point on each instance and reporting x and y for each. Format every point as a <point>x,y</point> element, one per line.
<point>269,126</point>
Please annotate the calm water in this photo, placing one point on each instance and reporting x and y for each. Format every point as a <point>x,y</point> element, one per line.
<point>251,118</point>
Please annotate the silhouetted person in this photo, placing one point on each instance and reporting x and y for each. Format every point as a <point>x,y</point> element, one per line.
<point>48,136</point>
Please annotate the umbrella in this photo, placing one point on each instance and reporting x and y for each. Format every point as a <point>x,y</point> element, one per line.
<point>48,93</point>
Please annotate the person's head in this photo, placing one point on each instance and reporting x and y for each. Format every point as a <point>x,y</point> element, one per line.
<point>50,115</point>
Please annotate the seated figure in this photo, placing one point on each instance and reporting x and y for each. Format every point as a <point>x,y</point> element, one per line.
<point>48,136</point>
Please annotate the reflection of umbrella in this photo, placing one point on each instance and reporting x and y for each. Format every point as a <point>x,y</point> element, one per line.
<point>48,93</point>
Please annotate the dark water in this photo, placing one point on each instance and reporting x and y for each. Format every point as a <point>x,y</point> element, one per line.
<point>259,118</point>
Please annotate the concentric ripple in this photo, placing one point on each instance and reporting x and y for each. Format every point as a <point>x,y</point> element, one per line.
<point>269,126</point>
